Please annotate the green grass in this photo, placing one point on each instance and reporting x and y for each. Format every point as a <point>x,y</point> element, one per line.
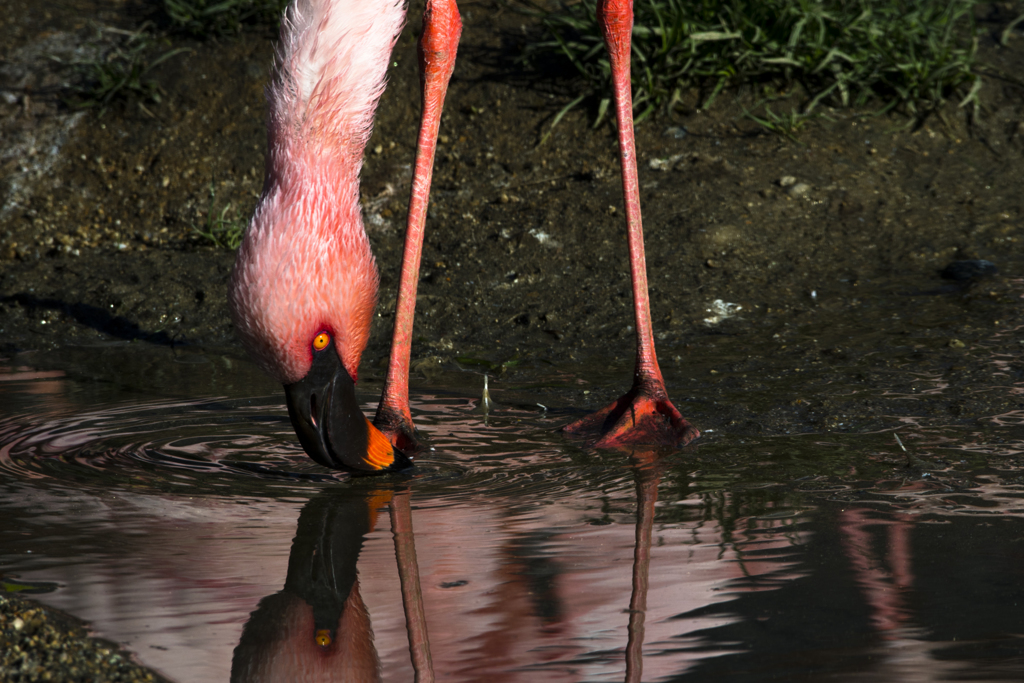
<point>786,123</point>
<point>220,230</point>
<point>122,73</point>
<point>906,55</point>
<point>206,18</point>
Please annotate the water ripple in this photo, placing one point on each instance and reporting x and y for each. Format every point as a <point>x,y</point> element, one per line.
<point>247,447</point>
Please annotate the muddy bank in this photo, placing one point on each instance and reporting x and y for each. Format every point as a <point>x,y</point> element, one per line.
<point>525,246</point>
<point>39,641</point>
<point>525,256</point>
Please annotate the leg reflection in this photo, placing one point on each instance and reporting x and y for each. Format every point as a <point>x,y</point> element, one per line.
<point>412,595</point>
<point>647,470</point>
<point>885,584</point>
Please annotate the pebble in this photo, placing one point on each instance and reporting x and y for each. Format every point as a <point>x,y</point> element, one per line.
<point>721,310</point>
<point>798,190</point>
<point>968,269</point>
<point>41,644</point>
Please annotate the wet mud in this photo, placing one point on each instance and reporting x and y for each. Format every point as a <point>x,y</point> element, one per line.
<point>819,249</point>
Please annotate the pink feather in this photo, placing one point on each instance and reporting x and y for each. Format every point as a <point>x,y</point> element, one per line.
<point>305,265</point>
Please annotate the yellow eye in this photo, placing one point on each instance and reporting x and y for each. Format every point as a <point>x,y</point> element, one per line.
<point>323,637</point>
<point>321,340</point>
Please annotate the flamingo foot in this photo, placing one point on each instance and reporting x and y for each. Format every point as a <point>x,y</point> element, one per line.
<point>644,415</point>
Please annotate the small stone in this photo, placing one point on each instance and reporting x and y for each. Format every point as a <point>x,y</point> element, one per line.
<point>798,190</point>
<point>666,164</point>
<point>786,181</point>
<point>956,344</point>
<point>719,237</point>
<point>968,269</point>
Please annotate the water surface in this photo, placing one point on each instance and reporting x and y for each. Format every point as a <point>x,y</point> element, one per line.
<point>195,532</point>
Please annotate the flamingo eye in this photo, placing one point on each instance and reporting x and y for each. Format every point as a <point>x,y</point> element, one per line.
<point>321,340</point>
<point>323,637</point>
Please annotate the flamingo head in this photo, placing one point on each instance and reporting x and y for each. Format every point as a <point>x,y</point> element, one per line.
<point>302,296</point>
<point>305,283</point>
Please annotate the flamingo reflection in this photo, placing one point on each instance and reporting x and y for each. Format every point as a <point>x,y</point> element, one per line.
<point>319,628</point>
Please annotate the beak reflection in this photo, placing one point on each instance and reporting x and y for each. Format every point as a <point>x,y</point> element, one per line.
<point>317,627</point>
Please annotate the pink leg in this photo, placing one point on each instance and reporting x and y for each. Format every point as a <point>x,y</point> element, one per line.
<point>645,414</point>
<point>442,27</point>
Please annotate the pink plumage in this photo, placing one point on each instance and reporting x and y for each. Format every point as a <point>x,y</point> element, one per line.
<point>305,265</point>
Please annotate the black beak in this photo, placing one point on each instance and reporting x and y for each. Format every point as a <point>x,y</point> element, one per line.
<point>331,427</point>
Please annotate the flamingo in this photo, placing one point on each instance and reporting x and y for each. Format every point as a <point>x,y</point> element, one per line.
<point>305,282</point>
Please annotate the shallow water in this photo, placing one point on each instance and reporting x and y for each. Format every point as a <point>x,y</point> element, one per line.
<point>195,532</point>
